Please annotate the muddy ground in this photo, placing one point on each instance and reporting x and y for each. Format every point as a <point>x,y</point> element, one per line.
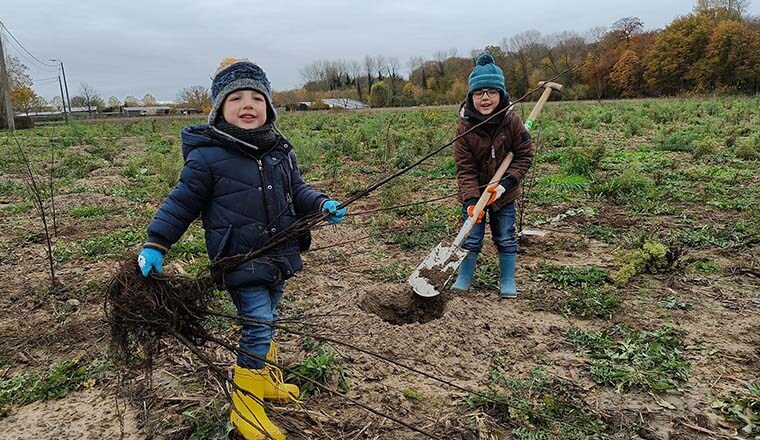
<point>458,342</point>
<point>460,339</point>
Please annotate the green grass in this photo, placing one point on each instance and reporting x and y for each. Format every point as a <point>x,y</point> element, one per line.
<point>207,422</point>
<point>626,359</point>
<point>394,272</point>
<point>91,211</point>
<point>572,277</point>
<point>426,227</point>
<point>742,408</point>
<point>108,244</point>
<point>538,407</point>
<point>322,367</point>
<point>708,266</point>
<point>593,302</point>
<point>487,273</point>
<point>58,382</point>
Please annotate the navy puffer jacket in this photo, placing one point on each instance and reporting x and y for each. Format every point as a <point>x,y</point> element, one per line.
<point>244,200</point>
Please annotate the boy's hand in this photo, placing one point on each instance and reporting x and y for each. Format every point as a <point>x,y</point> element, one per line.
<point>150,259</point>
<point>480,216</point>
<point>336,215</point>
<point>498,189</point>
<point>470,206</point>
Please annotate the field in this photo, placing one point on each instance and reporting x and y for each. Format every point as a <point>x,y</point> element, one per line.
<point>637,317</point>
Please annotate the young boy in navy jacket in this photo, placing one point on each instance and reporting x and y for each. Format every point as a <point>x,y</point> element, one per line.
<point>240,175</point>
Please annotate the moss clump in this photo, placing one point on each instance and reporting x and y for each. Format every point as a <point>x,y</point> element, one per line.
<point>651,257</point>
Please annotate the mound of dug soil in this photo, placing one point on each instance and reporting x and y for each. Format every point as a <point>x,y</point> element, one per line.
<point>399,305</point>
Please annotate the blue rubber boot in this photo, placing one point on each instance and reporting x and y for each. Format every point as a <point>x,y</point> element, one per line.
<point>465,273</point>
<point>507,287</point>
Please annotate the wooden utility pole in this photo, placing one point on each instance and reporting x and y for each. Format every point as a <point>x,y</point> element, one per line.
<point>63,103</point>
<point>66,85</point>
<point>6,87</point>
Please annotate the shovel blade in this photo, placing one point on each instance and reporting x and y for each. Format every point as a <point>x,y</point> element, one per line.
<point>429,278</point>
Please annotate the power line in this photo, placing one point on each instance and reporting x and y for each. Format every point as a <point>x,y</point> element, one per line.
<point>25,49</point>
<point>44,79</point>
<point>27,58</point>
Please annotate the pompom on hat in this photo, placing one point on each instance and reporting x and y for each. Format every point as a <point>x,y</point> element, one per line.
<point>487,75</point>
<point>239,74</point>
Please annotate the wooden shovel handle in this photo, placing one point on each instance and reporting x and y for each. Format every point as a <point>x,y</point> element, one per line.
<point>480,206</point>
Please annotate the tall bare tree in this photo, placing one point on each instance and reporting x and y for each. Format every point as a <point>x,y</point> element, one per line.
<point>149,99</point>
<point>525,48</point>
<point>90,97</point>
<point>369,68</point>
<point>627,27</point>
<point>195,97</point>
<point>394,67</point>
<point>735,8</point>
<point>355,70</point>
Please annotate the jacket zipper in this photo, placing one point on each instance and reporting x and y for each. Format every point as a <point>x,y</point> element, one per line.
<point>261,175</point>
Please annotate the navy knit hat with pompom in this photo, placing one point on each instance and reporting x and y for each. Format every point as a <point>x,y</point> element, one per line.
<point>487,75</point>
<point>239,75</point>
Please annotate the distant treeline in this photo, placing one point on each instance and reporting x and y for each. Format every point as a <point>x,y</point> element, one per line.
<point>711,50</point>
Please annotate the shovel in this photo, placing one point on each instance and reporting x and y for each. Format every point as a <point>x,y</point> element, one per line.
<point>435,271</point>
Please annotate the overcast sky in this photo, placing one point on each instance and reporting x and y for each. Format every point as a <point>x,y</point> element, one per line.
<point>137,47</point>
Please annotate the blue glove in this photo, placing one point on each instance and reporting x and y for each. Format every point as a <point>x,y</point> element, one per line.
<point>331,207</point>
<point>150,259</point>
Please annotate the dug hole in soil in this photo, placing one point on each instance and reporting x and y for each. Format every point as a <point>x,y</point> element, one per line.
<point>398,305</point>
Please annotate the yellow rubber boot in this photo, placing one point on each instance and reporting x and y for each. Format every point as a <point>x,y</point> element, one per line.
<point>252,422</point>
<point>277,390</point>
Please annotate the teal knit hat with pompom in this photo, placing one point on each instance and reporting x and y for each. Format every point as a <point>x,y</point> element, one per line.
<point>487,75</point>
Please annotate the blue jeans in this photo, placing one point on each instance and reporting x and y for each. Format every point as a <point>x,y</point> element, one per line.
<point>502,230</point>
<point>260,303</point>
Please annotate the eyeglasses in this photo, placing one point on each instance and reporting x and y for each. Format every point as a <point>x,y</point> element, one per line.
<point>488,92</point>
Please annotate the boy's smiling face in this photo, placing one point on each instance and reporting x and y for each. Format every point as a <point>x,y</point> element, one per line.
<point>486,100</point>
<point>245,109</point>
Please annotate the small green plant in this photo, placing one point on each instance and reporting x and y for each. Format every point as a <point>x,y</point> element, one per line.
<point>59,381</point>
<point>321,367</point>
<point>111,243</point>
<point>651,257</point>
<point>672,303</point>
<point>603,232</point>
<point>748,148</point>
<point>208,422</point>
<point>586,303</point>
<point>705,147</point>
<point>572,277</point>
<point>91,211</point>
<point>631,184</point>
<point>411,394</point>
<point>538,407</point>
<point>707,266</point>
<point>583,161</point>
<point>625,358</point>
<point>677,141</point>
<point>428,227</point>
<point>743,408</point>
<point>487,273</point>
<point>394,272</point>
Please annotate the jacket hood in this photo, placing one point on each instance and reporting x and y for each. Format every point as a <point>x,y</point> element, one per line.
<point>470,117</point>
<point>197,136</point>
<point>194,136</point>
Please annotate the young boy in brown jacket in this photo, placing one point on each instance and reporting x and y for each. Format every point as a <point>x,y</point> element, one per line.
<point>478,155</point>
